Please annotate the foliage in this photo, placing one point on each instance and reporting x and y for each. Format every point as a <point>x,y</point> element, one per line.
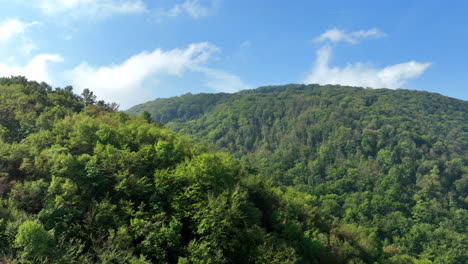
<point>388,168</point>
<point>84,183</point>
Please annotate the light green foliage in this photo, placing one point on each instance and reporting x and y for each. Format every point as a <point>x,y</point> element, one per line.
<point>34,243</point>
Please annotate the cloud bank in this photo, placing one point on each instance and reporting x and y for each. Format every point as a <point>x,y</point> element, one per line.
<point>13,27</point>
<point>124,83</point>
<point>36,69</point>
<point>360,74</point>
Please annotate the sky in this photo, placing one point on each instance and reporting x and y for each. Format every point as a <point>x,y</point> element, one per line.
<point>133,51</point>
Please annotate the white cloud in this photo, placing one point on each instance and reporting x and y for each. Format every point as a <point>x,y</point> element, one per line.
<point>222,81</point>
<point>91,8</point>
<point>13,39</point>
<point>360,74</point>
<point>124,83</point>
<point>13,27</point>
<point>36,69</point>
<point>193,8</point>
<point>337,35</point>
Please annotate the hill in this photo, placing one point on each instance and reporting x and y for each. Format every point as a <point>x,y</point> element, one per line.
<point>392,161</point>
<point>81,182</point>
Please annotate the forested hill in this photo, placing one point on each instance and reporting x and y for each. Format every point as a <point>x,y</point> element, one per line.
<point>394,161</point>
<point>81,182</point>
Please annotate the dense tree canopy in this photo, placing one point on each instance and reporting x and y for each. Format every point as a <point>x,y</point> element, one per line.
<point>389,167</point>
<point>83,183</point>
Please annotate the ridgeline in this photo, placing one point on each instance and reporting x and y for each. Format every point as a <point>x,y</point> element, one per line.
<point>391,165</point>
<point>81,182</point>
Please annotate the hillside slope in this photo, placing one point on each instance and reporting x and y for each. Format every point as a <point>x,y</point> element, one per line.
<point>391,160</point>
<point>83,183</point>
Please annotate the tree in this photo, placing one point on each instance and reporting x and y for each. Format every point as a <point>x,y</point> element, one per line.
<point>34,242</point>
<point>88,97</point>
<point>146,116</point>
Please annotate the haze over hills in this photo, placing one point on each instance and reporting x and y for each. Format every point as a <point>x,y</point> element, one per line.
<point>394,161</point>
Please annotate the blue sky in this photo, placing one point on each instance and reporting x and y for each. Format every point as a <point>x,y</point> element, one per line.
<point>132,51</point>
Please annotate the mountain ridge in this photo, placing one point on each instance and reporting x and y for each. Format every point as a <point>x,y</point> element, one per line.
<point>392,160</point>
<point>81,182</point>
<point>221,97</point>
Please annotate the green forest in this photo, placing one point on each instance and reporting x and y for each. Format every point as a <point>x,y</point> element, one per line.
<point>386,166</point>
<point>290,174</point>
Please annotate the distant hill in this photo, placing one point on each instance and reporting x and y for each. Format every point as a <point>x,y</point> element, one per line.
<point>394,161</point>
